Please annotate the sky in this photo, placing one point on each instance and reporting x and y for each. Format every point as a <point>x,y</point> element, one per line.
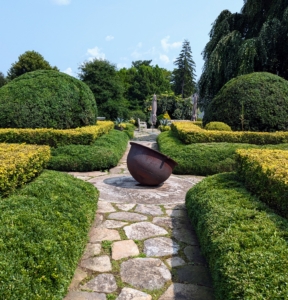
<point>68,33</point>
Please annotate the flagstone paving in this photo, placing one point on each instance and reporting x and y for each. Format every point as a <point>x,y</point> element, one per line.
<point>141,244</point>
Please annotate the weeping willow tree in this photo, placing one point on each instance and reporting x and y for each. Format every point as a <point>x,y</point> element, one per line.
<point>254,40</point>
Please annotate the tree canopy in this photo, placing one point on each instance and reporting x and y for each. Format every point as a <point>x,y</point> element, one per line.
<point>242,43</point>
<point>183,77</point>
<point>28,62</point>
<point>2,79</point>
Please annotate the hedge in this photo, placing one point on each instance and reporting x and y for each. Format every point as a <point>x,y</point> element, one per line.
<point>244,242</point>
<point>103,154</point>
<point>204,158</point>
<point>190,133</point>
<point>265,173</point>
<point>56,137</point>
<point>20,164</point>
<point>43,231</point>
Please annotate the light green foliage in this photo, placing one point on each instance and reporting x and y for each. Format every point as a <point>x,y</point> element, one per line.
<point>43,230</point>
<point>256,102</point>
<point>28,62</point>
<point>103,154</point>
<point>245,42</point>
<point>245,243</point>
<point>204,158</point>
<point>220,126</point>
<point>183,76</point>
<point>46,99</point>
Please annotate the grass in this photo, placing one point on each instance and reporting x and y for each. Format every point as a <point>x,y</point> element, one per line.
<point>102,155</point>
<point>43,232</point>
<point>204,158</point>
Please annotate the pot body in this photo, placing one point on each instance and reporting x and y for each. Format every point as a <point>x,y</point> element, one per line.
<point>148,166</point>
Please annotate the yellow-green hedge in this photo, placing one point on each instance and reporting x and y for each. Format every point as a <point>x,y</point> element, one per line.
<point>56,137</point>
<point>189,133</point>
<point>20,163</point>
<point>265,173</point>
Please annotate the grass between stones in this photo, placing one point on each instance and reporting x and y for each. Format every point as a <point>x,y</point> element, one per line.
<point>43,230</point>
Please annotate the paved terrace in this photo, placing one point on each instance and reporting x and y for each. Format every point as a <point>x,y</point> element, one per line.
<point>154,249</point>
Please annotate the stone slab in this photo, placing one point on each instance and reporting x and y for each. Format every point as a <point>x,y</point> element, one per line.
<point>103,234</point>
<point>145,273</point>
<point>79,275</point>
<point>160,246</point>
<point>125,189</point>
<point>125,207</point>
<point>124,249</point>
<point>110,224</point>
<point>175,206</point>
<point>152,210</point>
<point>166,222</point>
<point>178,291</point>
<point>185,235</point>
<point>127,216</point>
<point>103,283</point>
<point>105,207</point>
<point>177,213</point>
<point>193,253</point>
<point>78,295</point>
<point>194,274</point>
<point>91,250</point>
<point>97,264</point>
<point>131,294</point>
<point>175,261</point>
<point>143,230</point>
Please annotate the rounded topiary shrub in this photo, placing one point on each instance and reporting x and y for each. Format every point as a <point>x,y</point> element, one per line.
<point>46,99</point>
<point>255,102</point>
<point>218,126</point>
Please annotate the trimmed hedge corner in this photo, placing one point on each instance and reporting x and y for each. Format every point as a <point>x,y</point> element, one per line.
<point>244,242</point>
<point>43,231</point>
<point>103,154</point>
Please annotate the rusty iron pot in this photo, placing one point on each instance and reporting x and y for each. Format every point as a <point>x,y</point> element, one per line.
<point>148,166</point>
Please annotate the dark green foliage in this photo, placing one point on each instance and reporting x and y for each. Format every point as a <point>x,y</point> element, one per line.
<point>101,77</point>
<point>46,99</point>
<point>129,130</point>
<point>205,158</point>
<point>246,42</point>
<point>245,243</point>
<point>28,62</point>
<point>3,79</point>
<point>259,100</point>
<point>137,114</point>
<point>183,76</point>
<point>102,155</point>
<point>43,229</point>
<point>220,126</point>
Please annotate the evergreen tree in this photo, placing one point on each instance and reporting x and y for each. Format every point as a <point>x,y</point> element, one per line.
<point>2,79</point>
<point>246,42</point>
<point>183,77</point>
<point>28,62</point>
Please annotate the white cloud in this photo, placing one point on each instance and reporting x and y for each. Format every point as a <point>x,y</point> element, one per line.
<point>164,58</point>
<point>68,71</point>
<point>109,38</point>
<point>122,65</point>
<point>62,2</point>
<point>95,53</point>
<point>167,46</point>
<point>139,45</point>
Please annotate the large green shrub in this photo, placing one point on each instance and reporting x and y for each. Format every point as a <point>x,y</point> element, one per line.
<point>256,102</point>
<point>46,99</point>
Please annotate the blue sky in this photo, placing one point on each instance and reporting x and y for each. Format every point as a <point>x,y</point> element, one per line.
<point>68,32</point>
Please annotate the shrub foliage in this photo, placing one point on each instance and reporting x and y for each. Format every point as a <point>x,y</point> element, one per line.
<point>220,126</point>
<point>46,99</point>
<point>256,102</point>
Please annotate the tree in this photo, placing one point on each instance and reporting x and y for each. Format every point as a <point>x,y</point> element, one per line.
<point>183,77</point>
<point>28,62</point>
<point>102,78</point>
<point>2,79</point>
<point>246,42</point>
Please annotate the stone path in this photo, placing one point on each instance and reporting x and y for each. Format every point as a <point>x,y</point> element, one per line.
<point>141,245</point>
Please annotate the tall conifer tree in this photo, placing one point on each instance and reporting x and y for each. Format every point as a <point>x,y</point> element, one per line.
<point>183,77</point>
